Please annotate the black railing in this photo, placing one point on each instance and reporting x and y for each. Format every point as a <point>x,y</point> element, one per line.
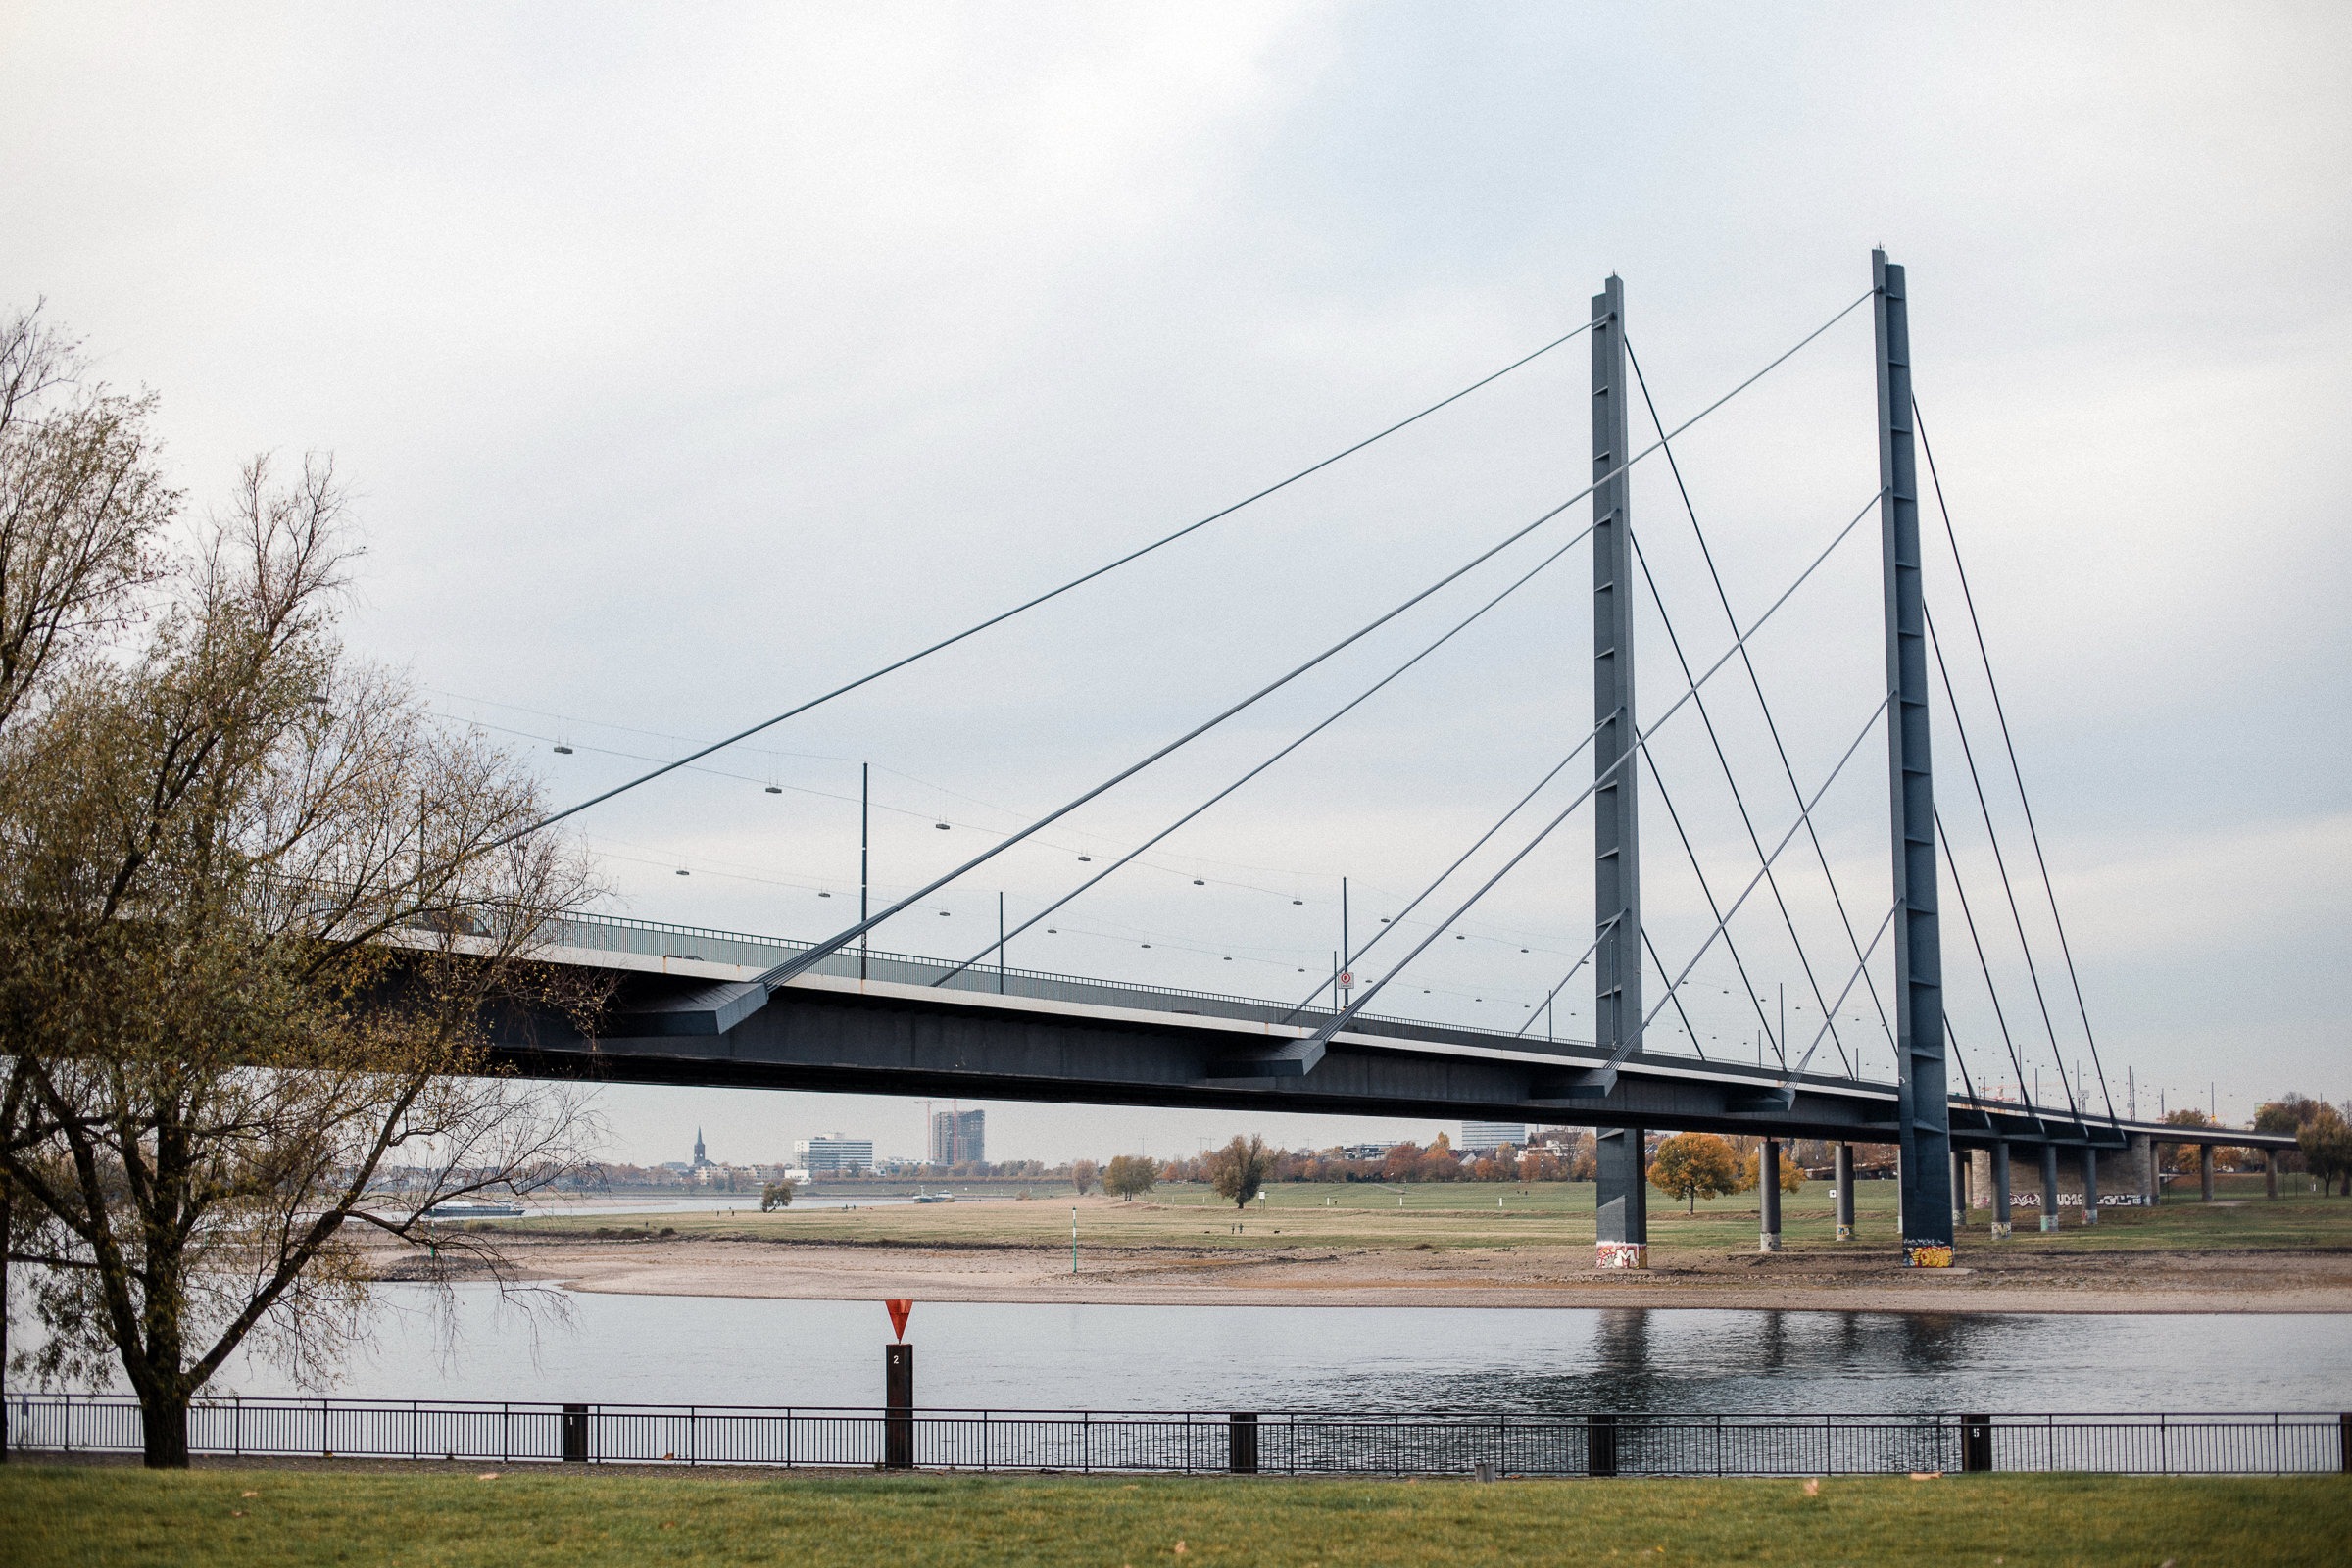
<point>1273,1443</point>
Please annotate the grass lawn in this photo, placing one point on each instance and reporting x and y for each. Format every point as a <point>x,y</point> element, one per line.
<point>1473,1214</point>
<point>124,1517</point>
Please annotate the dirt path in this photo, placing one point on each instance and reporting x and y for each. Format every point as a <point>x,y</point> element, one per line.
<point>1988,1281</point>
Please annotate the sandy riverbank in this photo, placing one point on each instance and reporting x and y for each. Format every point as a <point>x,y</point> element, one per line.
<point>1988,1280</point>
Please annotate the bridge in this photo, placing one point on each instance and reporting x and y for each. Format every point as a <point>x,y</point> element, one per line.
<point>693,1007</point>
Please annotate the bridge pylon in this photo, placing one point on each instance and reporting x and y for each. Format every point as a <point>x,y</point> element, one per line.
<point>1620,1223</point>
<point>1922,1103</point>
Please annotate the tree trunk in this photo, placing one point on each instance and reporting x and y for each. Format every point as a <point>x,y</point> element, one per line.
<point>164,1421</point>
<point>7,1214</point>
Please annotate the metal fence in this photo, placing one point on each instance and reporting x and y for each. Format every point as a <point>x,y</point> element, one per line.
<point>1288,1443</point>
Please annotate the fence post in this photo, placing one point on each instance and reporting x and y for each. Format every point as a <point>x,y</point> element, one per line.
<point>1975,1443</point>
<point>898,1417</point>
<point>1241,1442</point>
<point>2343,1441</point>
<point>1601,1444</point>
<point>576,1434</point>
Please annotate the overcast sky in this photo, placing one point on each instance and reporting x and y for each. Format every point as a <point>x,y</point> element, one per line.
<point>688,361</point>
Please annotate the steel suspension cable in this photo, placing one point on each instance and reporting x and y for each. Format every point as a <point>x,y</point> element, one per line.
<point>1754,839</point>
<point>2016,772</point>
<point>1659,964</point>
<point>1861,966</point>
<point>1756,998</point>
<point>1340,1019</point>
<point>1756,682</point>
<point>2000,1016</point>
<point>2001,861</point>
<point>1724,925</point>
<point>1396,922</point>
<point>815,955</point>
<point>1606,926</point>
<point>1055,593</point>
<point>1336,716</point>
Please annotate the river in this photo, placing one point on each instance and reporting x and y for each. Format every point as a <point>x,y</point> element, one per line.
<point>727,1350</point>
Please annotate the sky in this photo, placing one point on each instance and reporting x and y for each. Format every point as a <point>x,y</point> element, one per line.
<point>684,364</point>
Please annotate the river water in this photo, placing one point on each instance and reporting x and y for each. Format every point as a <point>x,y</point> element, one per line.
<point>724,1351</point>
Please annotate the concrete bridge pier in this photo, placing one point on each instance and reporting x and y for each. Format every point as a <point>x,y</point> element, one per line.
<point>1620,1197</point>
<point>2143,1165</point>
<point>1768,1194</point>
<point>2091,1186</point>
<point>2205,1172</point>
<point>2269,1173</point>
<point>2001,1192</point>
<point>1959,1189</point>
<point>2049,1187</point>
<point>1844,1176</point>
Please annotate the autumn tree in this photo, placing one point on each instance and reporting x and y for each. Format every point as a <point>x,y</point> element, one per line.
<point>2326,1144</point>
<point>1130,1176</point>
<point>1694,1165</point>
<point>1082,1175</point>
<point>1751,1171</point>
<point>257,914</point>
<point>1239,1169</point>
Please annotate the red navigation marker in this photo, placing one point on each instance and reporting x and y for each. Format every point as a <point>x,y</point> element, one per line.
<point>898,1311</point>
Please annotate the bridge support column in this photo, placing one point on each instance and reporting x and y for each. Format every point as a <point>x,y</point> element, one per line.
<point>1959,1192</point>
<point>1768,1194</point>
<point>2001,1192</point>
<point>1617,1014</point>
<point>2205,1172</point>
<point>1619,1199</point>
<point>2143,1165</point>
<point>2049,1187</point>
<point>1844,1178</point>
<point>2269,1173</point>
<point>1922,1108</point>
<point>2091,1186</point>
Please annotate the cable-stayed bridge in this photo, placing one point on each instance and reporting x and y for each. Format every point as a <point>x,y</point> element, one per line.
<point>711,1008</point>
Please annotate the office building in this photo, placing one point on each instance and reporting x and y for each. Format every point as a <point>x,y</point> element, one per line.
<point>958,1137</point>
<point>833,1155</point>
<point>1485,1137</point>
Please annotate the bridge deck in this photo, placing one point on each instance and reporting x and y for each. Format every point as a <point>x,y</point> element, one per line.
<point>687,1010</point>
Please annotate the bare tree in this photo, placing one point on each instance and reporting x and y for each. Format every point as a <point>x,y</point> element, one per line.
<point>257,912</point>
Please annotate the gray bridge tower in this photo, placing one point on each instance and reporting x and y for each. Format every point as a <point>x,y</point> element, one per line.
<point>1621,1234</point>
<point>1923,1106</point>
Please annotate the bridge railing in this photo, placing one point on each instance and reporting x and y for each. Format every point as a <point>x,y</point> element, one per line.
<point>653,939</point>
<point>1295,1442</point>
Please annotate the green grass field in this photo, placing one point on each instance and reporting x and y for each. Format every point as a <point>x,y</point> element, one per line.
<point>1468,1215</point>
<point>125,1518</point>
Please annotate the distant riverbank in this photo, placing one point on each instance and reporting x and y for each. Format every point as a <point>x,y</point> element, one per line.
<point>1369,1247</point>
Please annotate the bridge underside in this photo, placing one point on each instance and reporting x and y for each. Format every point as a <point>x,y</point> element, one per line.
<point>843,1035</point>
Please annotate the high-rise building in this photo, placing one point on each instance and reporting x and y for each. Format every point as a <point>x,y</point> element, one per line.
<point>958,1137</point>
<point>833,1154</point>
<point>1483,1137</point>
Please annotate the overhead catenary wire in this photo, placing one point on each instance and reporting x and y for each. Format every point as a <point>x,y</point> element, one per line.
<point>1606,926</point>
<point>818,954</point>
<point>1340,1020</point>
<point>1764,704</point>
<point>1318,728</point>
<point>1388,925</point>
<point>2001,712</point>
<point>1055,593</point>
